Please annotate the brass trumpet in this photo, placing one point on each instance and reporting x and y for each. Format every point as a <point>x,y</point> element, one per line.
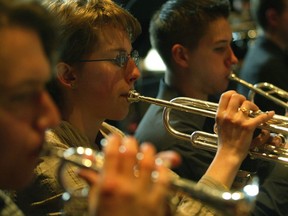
<point>278,125</point>
<point>226,203</point>
<point>208,141</point>
<point>259,89</point>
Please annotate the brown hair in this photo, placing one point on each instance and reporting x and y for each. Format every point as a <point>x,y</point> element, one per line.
<point>184,22</point>
<point>81,20</point>
<point>31,15</point>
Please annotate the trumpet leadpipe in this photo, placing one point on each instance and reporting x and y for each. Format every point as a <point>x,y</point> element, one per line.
<point>207,109</point>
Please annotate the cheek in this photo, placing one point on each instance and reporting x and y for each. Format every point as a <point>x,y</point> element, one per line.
<point>97,89</point>
<point>98,79</point>
<point>101,83</point>
<point>13,162</point>
<point>19,145</point>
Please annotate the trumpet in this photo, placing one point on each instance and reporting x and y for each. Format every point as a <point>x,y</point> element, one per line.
<point>269,152</point>
<point>226,203</point>
<point>278,124</point>
<point>259,89</point>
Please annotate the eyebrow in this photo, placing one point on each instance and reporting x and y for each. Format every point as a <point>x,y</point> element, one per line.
<point>27,84</point>
<point>223,42</point>
<point>120,49</point>
<point>31,83</point>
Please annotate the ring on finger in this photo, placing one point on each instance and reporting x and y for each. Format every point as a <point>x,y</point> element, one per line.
<point>244,110</point>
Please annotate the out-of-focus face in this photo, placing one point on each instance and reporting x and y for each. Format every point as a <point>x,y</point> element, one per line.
<point>102,86</point>
<point>283,24</point>
<point>26,109</point>
<point>210,63</point>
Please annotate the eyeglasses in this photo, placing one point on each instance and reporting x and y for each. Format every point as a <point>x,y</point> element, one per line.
<point>121,59</point>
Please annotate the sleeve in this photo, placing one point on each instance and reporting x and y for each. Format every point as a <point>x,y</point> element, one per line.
<point>190,206</point>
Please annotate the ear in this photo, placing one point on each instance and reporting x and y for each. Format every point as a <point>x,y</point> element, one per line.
<point>180,55</point>
<point>66,75</point>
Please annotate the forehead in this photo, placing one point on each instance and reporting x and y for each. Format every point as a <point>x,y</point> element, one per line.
<point>217,31</point>
<point>21,56</point>
<point>111,38</point>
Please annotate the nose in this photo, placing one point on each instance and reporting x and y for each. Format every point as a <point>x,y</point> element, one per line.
<point>231,58</point>
<point>48,116</point>
<point>133,72</point>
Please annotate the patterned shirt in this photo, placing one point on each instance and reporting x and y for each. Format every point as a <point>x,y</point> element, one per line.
<point>8,207</point>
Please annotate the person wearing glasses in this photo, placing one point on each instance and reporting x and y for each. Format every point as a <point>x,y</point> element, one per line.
<point>27,112</point>
<point>95,71</point>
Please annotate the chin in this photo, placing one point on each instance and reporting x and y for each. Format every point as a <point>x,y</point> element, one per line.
<point>222,89</point>
<point>19,182</point>
<point>119,116</point>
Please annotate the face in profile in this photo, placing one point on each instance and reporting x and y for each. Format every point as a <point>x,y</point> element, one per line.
<point>26,109</point>
<point>103,86</point>
<point>213,59</point>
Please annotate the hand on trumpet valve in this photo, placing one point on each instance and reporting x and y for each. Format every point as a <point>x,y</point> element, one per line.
<point>235,127</point>
<point>265,140</point>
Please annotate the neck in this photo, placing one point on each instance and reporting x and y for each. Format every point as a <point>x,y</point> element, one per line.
<point>183,86</point>
<point>78,117</point>
<point>84,123</point>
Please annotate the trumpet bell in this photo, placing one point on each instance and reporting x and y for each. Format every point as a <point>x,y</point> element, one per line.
<point>265,89</point>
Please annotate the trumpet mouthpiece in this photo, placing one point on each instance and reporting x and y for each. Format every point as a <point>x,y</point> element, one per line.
<point>133,96</point>
<point>232,76</point>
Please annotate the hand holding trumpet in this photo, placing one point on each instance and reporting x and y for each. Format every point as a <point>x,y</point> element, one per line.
<point>122,183</point>
<point>235,132</point>
<point>118,190</point>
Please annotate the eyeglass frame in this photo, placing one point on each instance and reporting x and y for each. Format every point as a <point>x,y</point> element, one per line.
<point>121,59</point>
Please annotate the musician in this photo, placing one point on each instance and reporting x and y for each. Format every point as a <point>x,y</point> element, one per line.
<point>88,92</point>
<point>193,38</point>
<point>266,60</point>
<point>26,109</point>
<point>22,42</point>
<point>235,130</point>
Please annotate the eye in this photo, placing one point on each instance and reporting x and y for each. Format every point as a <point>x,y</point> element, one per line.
<point>121,59</point>
<point>25,97</point>
<point>135,56</point>
<point>220,49</point>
